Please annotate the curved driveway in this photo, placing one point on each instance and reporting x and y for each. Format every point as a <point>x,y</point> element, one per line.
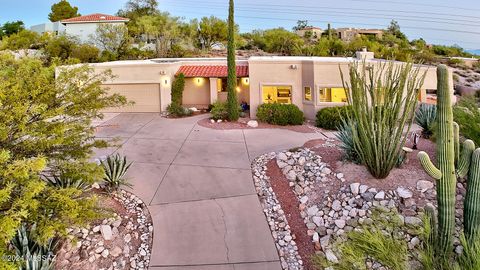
<point>198,186</point>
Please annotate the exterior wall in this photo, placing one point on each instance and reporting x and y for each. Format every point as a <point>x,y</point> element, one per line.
<point>196,93</point>
<point>316,32</point>
<point>55,27</point>
<point>85,31</point>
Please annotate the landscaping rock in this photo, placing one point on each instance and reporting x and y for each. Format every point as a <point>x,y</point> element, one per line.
<point>106,231</point>
<point>404,193</point>
<point>424,186</point>
<point>252,124</point>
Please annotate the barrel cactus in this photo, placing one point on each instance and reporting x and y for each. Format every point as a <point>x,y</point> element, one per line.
<point>450,165</point>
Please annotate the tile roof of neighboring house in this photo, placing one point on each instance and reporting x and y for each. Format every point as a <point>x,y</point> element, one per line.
<point>96,17</point>
<point>211,71</point>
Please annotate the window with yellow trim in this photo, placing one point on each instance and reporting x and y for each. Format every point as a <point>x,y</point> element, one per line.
<point>332,94</point>
<point>277,94</point>
<point>307,93</point>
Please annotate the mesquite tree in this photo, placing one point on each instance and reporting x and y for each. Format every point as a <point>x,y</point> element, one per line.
<point>232,103</point>
<point>383,99</point>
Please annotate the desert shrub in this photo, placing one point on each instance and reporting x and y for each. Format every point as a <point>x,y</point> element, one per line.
<point>67,182</point>
<point>115,168</point>
<point>86,53</point>
<point>24,39</point>
<point>33,255</point>
<point>455,62</point>
<point>60,46</point>
<point>177,110</point>
<point>467,116</point>
<point>345,136</point>
<point>383,100</point>
<point>425,118</point>
<point>382,241</point>
<point>219,111</point>
<point>331,118</point>
<point>280,114</point>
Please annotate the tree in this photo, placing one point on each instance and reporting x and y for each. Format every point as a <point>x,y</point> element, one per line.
<point>394,29</point>
<point>163,28</point>
<point>232,103</point>
<point>138,8</point>
<point>60,46</point>
<point>282,41</point>
<point>46,131</point>
<point>62,10</point>
<point>211,31</point>
<point>10,28</point>
<point>112,38</point>
<point>301,25</point>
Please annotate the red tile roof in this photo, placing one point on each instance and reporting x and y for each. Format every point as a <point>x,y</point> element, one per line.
<point>211,71</point>
<point>96,17</point>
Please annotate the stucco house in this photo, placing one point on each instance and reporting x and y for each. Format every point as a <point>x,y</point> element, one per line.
<point>311,83</point>
<point>82,27</point>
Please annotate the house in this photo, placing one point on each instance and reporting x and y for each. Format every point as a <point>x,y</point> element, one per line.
<point>349,34</point>
<point>83,27</point>
<point>310,32</point>
<point>53,28</point>
<point>311,83</point>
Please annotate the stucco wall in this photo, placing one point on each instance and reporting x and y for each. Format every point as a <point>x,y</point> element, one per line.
<point>196,93</point>
<point>84,31</point>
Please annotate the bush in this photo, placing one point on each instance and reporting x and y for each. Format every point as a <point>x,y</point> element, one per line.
<point>280,114</point>
<point>467,116</point>
<point>24,39</point>
<point>219,111</point>
<point>425,118</point>
<point>331,118</point>
<point>178,85</point>
<point>86,53</point>
<point>66,182</point>
<point>177,110</point>
<point>115,168</point>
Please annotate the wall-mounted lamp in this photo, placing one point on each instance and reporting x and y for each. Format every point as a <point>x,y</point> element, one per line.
<point>246,81</point>
<point>238,89</point>
<point>198,80</point>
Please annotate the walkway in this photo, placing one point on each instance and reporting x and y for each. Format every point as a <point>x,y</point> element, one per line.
<point>198,186</point>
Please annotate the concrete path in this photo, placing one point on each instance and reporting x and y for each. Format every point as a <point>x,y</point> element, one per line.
<point>198,186</point>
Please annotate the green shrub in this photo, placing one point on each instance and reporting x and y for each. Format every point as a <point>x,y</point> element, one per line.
<point>66,182</point>
<point>24,39</point>
<point>115,168</point>
<point>219,110</point>
<point>86,53</point>
<point>331,118</point>
<point>467,116</point>
<point>425,118</point>
<point>280,114</point>
<point>345,136</point>
<point>177,110</point>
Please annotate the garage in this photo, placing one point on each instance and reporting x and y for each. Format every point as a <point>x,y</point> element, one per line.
<point>145,96</point>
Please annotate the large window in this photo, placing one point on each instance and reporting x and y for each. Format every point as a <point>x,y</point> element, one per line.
<point>277,94</point>
<point>332,95</point>
<point>307,94</point>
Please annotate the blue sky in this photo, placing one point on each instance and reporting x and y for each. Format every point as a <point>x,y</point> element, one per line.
<point>439,22</point>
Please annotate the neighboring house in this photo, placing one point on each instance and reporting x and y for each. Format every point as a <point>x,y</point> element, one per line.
<point>311,83</point>
<point>53,28</point>
<point>84,27</point>
<point>310,32</point>
<point>349,34</point>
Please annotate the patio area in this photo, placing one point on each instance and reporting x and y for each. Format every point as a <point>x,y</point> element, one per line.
<point>198,186</point>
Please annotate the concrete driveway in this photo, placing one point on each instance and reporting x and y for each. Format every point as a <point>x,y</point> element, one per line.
<point>199,189</point>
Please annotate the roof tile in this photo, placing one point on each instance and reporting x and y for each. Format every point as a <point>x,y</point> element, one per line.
<point>96,17</point>
<point>211,71</point>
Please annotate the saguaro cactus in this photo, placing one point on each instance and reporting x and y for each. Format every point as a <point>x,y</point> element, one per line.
<point>447,157</point>
<point>471,219</point>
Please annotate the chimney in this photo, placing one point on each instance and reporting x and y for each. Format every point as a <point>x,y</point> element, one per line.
<point>364,54</point>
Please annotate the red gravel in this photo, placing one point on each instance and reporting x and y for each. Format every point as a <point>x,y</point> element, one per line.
<point>242,124</point>
<point>290,205</point>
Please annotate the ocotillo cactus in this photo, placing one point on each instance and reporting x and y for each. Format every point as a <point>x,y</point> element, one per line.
<point>471,218</point>
<point>445,172</point>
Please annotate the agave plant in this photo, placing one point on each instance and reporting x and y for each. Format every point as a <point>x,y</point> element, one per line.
<point>345,136</point>
<point>425,118</point>
<point>34,255</point>
<point>65,182</point>
<point>115,168</point>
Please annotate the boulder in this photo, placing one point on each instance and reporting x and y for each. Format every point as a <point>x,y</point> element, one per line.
<point>252,124</point>
<point>106,232</point>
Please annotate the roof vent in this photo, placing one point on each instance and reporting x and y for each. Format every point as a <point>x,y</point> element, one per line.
<point>102,17</point>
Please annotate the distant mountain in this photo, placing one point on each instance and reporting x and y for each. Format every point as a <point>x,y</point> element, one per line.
<point>477,52</point>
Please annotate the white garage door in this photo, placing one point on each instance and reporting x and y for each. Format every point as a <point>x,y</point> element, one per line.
<point>145,96</point>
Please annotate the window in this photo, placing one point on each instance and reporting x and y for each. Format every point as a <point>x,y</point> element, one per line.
<point>277,94</point>
<point>307,93</point>
<point>332,95</point>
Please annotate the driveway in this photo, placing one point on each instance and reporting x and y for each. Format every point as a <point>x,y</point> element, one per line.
<point>199,189</point>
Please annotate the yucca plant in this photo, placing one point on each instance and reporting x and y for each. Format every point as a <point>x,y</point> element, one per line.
<point>383,98</point>
<point>34,255</point>
<point>115,168</point>
<point>66,182</point>
<point>425,118</point>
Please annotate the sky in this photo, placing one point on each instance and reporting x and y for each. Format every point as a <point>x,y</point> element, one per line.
<point>437,21</point>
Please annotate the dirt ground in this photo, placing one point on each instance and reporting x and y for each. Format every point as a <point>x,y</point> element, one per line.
<point>242,124</point>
